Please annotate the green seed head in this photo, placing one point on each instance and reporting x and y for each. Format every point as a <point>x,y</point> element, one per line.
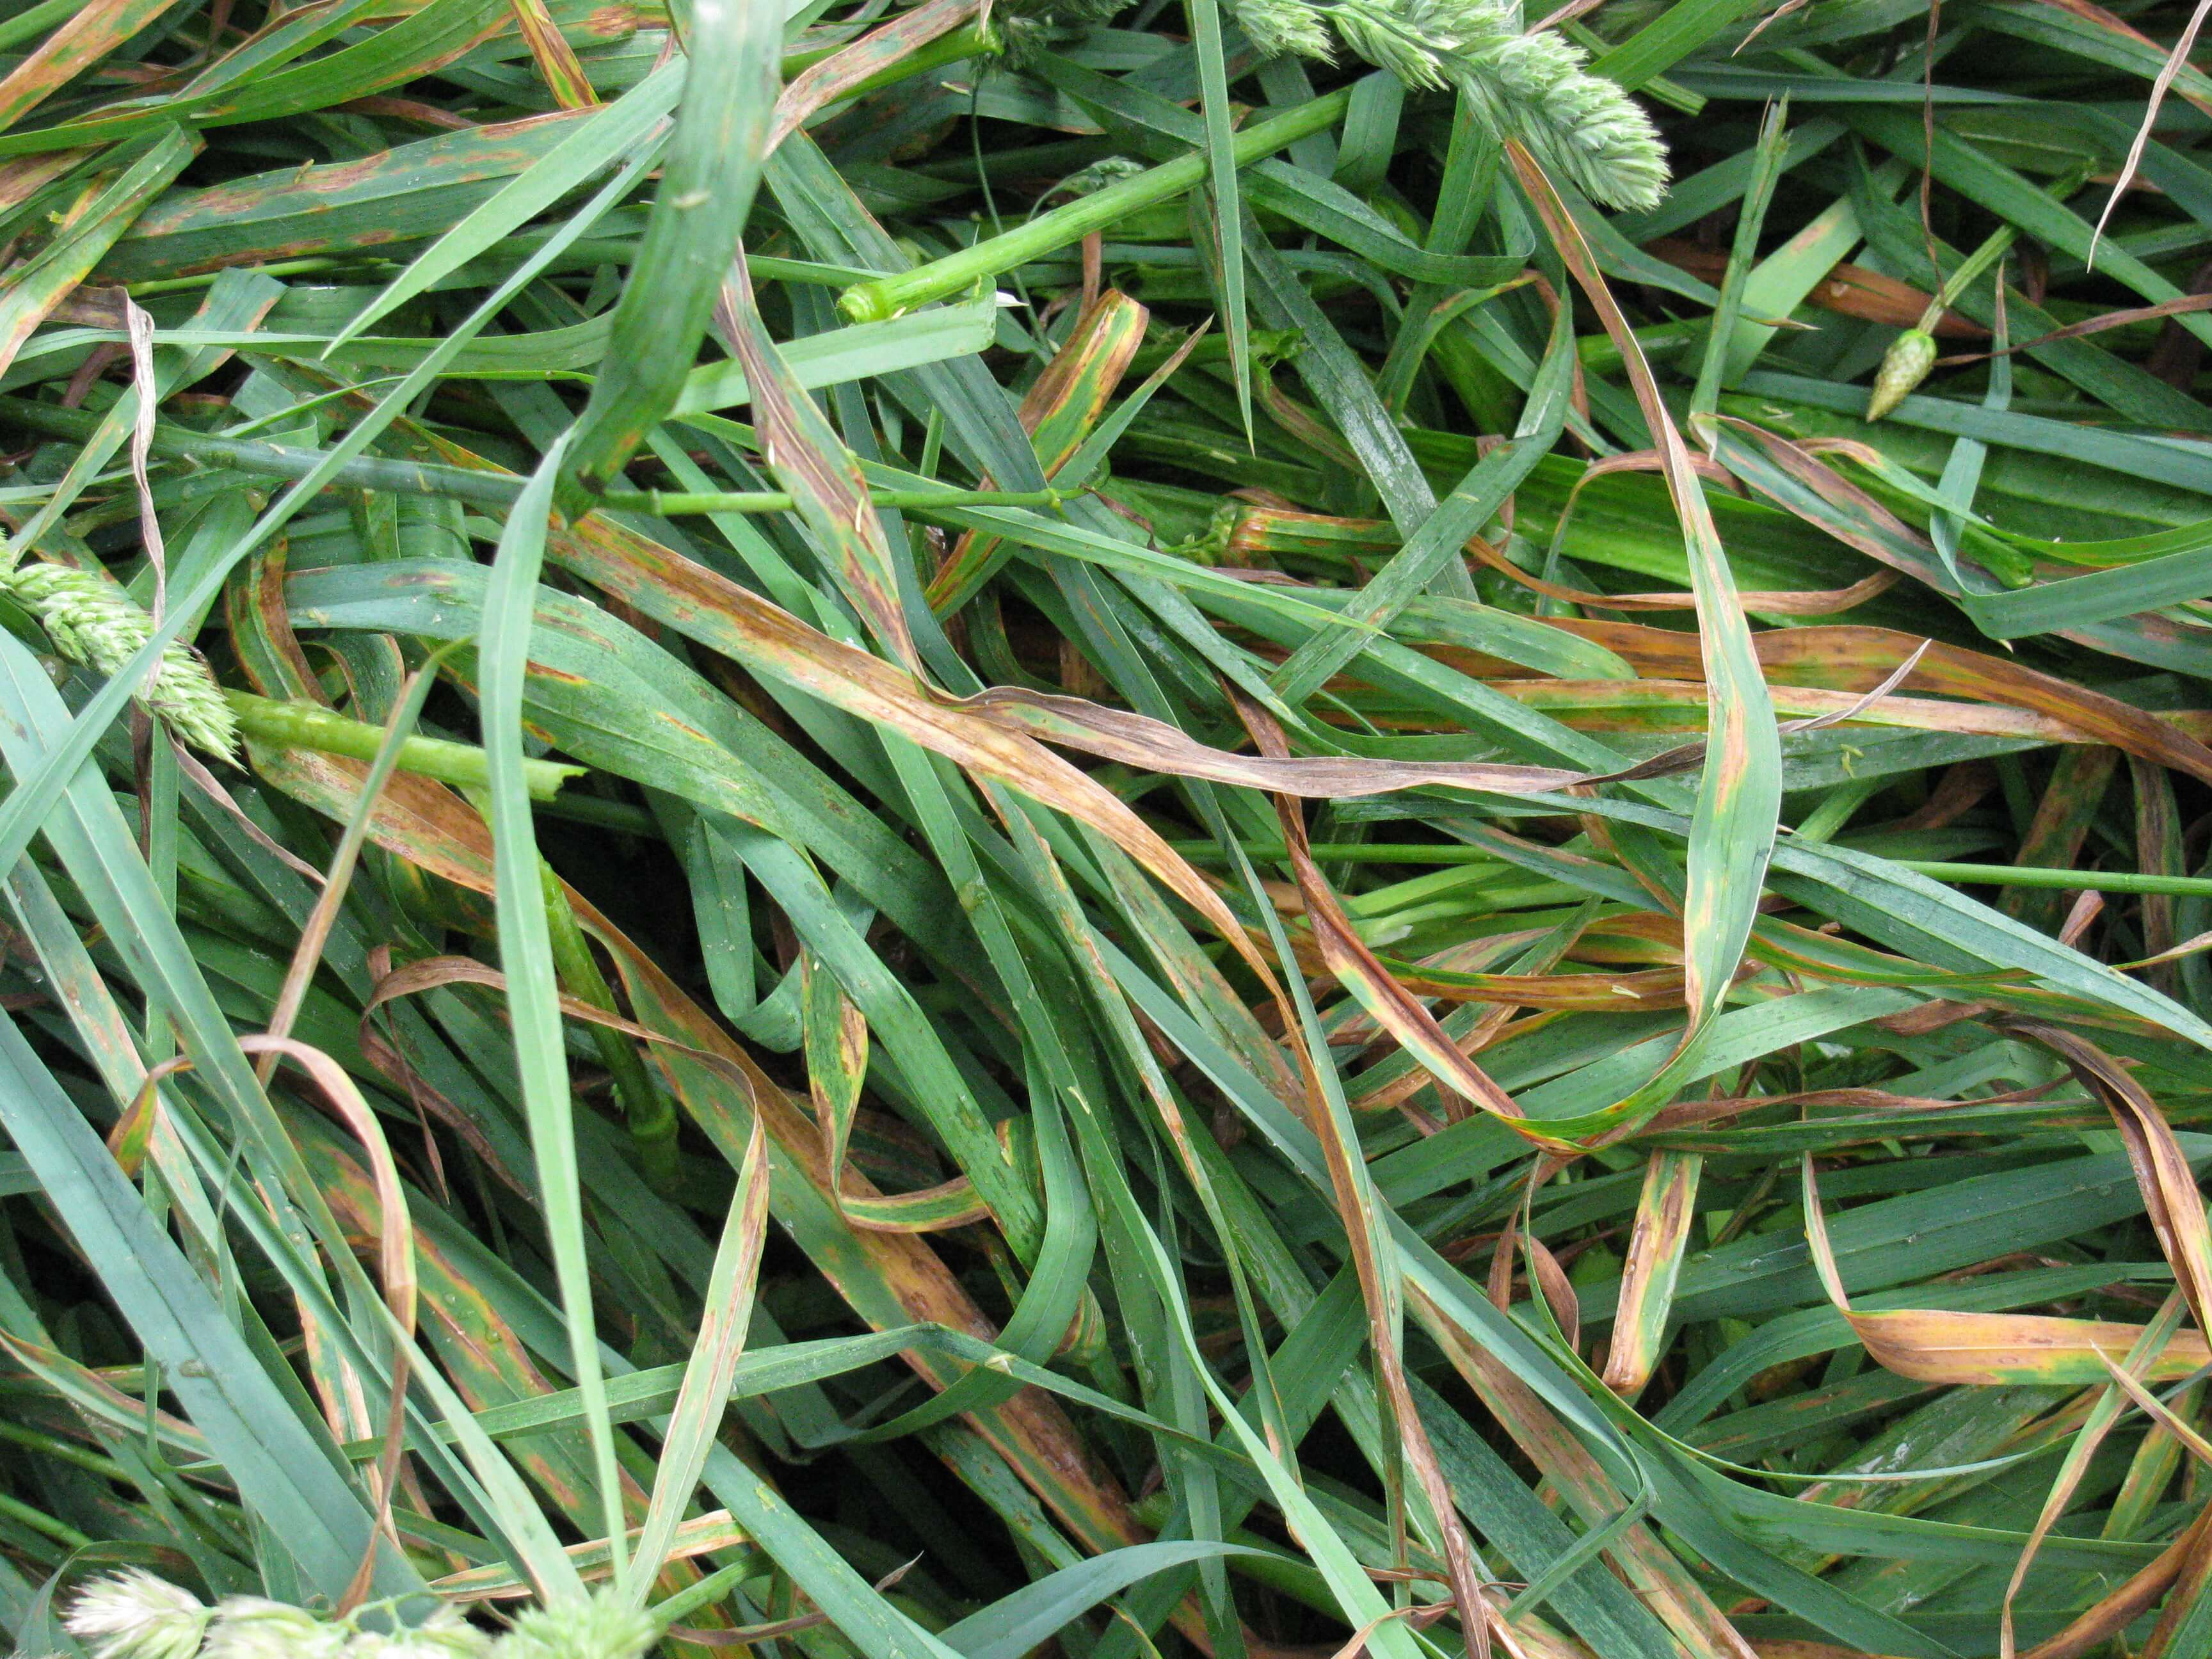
<point>1582,128</point>
<point>444,1635</point>
<point>92,622</point>
<point>251,1627</point>
<point>602,1628</point>
<point>1904,367</point>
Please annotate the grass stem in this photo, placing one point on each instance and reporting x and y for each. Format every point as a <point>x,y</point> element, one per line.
<point>1962,875</point>
<point>888,296</point>
<point>283,725</point>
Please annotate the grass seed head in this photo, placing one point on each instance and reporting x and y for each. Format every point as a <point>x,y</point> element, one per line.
<point>134,1615</point>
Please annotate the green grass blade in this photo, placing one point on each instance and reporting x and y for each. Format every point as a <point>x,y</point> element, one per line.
<point>705,192</point>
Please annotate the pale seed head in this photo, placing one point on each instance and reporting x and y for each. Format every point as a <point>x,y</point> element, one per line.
<point>134,1615</point>
<point>249,1627</point>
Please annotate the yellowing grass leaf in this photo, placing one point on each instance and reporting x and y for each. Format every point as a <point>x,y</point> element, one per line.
<point>1058,412</point>
<point>2169,1186</point>
<point>1935,1346</point>
<point>1664,1216</point>
<point>809,460</point>
<point>1740,794</point>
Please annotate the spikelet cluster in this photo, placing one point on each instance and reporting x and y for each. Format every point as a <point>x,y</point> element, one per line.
<point>93,622</point>
<point>1535,87</point>
<point>135,1615</point>
<point>600,1628</point>
<point>249,1627</point>
<point>1024,30</point>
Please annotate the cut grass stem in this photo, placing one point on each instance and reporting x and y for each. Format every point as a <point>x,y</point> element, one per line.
<point>280,724</point>
<point>888,296</point>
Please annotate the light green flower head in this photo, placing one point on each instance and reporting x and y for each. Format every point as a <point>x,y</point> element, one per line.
<point>1276,27</point>
<point>1582,128</point>
<point>444,1635</point>
<point>135,1615</point>
<point>248,1627</point>
<point>92,621</point>
<point>1904,367</point>
<point>600,1628</point>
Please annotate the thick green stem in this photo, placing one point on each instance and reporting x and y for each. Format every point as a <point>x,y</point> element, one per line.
<point>1992,249</point>
<point>1971,267</point>
<point>2029,875</point>
<point>650,1116</point>
<point>279,725</point>
<point>14,1508</point>
<point>888,296</point>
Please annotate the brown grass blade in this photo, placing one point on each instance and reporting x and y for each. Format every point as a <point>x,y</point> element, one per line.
<point>1665,1213</point>
<point>555,59</point>
<point>844,71</point>
<point>88,36</point>
<point>2169,1187</point>
<point>808,459</point>
<point>1935,1346</point>
<point>1850,658</point>
<point>1058,412</point>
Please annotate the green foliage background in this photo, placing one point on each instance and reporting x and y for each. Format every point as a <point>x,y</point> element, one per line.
<point>1225,869</point>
